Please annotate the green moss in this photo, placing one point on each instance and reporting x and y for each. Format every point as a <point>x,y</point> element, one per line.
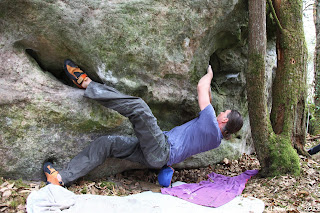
<point>19,183</point>
<point>143,45</point>
<point>283,157</point>
<point>84,190</point>
<point>130,9</point>
<point>315,124</point>
<point>108,185</point>
<point>17,200</point>
<point>31,121</point>
<point>14,204</point>
<point>257,63</point>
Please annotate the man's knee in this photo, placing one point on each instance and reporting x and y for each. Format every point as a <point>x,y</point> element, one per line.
<point>155,161</point>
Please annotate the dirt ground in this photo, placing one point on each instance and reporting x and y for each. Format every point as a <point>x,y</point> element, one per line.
<point>280,194</point>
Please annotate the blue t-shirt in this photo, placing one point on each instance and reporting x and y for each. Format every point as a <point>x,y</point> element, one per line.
<point>198,135</point>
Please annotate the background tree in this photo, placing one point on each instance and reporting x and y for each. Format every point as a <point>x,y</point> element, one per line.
<point>316,122</point>
<point>289,88</point>
<point>275,138</point>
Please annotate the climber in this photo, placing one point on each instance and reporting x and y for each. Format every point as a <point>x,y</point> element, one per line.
<point>151,146</point>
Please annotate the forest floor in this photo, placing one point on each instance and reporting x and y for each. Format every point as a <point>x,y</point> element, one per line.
<point>280,194</point>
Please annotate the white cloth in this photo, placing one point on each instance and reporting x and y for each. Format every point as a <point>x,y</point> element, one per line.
<point>52,198</point>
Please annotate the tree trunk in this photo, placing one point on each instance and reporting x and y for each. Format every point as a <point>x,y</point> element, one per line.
<point>316,122</point>
<point>255,78</point>
<point>289,88</point>
<point>273,143</point>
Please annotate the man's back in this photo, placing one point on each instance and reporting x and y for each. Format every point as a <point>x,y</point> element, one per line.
<point>198,135</point>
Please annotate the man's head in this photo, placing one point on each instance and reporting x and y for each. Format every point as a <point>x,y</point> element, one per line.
<point>230,121</point>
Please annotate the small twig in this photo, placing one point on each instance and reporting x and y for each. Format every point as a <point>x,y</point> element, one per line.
<point>308,6</point>
<point>314,137</point>
<point>275,15</point>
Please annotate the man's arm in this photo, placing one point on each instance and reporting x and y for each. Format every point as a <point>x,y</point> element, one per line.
<point>204,90</point>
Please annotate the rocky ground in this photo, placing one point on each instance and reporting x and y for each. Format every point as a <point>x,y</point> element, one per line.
<point>280,194</point>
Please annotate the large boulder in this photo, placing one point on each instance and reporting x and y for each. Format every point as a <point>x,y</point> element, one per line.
<point>156,50</point>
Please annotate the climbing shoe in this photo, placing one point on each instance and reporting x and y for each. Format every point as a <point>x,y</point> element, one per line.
<point>51,174</point>
<point>76,75</point>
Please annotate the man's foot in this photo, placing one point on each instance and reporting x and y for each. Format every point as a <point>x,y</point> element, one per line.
<point>52,175</point>
<point>77,76</point>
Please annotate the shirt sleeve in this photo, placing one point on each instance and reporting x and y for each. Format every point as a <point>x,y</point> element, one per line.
<point>207,119</point>
<point>208,111</point>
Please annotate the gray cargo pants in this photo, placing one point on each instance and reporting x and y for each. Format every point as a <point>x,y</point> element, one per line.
<point>149,147</point>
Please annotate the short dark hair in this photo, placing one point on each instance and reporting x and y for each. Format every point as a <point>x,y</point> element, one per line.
<point>234,124</point>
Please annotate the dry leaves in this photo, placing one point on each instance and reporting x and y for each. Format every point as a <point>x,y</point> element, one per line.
<point>280,194</point>
<point>289,193</point>
<point>13,195</point>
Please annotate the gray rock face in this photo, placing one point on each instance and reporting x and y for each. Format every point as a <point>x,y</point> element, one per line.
<point>157,50</point>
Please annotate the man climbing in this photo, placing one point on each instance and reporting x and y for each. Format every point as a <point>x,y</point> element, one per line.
<point>151,146</point>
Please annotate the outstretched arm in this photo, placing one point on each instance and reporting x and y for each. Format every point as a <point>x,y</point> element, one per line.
<point>204,90</point>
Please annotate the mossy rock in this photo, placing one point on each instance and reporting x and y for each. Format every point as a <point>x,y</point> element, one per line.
<point>157,50</point>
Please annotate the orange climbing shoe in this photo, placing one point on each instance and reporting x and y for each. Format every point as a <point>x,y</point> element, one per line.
<point>51,174</point>
<point>76,75</point>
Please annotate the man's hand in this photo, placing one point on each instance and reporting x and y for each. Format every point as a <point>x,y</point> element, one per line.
<point>204,90</point>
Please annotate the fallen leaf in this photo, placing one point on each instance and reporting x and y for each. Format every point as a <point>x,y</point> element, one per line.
<point>3,209</point>
<point>6,194</point>
<point>4,189</point>
<point>10,186</point>
<point>25,191</point>
<point>21,207</point>
<point>226,161</point>
<point>4,184</point>
<point>303,193</point>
